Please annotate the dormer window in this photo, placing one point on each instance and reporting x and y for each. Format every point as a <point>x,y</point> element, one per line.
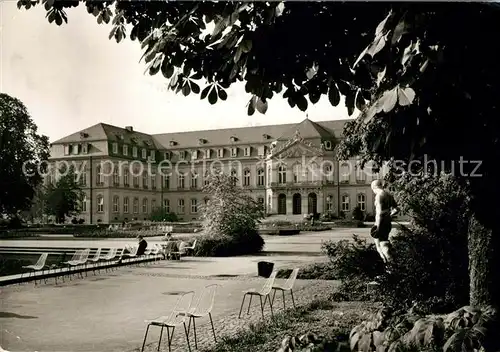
<point>328,145</point>
<point>202,141</point>
<point>83,135</point>
<point>172,143</point>
<point>148,143</point>
<point>266,136</point>
<point>233,139</point>
<point>234,152</point>
<point>134,140</point>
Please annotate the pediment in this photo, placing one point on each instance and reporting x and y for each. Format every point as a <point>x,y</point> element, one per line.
<point>297,149</point>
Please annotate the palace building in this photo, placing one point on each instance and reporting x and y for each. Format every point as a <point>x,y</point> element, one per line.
<point>291,168</point>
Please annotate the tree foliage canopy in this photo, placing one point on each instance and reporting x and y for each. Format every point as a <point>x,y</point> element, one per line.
<point>22,151</point>
<point>64,198</point>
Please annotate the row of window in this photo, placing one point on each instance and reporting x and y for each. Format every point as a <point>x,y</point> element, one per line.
<point>345,204</point>
<point>145,154</point>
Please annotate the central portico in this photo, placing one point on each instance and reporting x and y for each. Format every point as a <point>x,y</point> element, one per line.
<point>298,172</point>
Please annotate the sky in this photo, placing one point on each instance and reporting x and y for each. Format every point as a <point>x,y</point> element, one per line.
<point>72,77</point>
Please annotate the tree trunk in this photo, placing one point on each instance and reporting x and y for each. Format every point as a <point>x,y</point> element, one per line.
<point>484,254</point>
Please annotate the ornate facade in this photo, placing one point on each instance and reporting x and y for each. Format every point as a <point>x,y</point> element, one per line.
<point>290,168</point>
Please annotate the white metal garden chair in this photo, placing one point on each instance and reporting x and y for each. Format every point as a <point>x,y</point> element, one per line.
<point>174,319</point>
<point>95,259</point>
<point>202,308</point>
<point>38,266</point>
<point>287,286</point>
<point>74,261</point>
<point>180,252</point>
<point>263,292</point>
<point>107,258</point>
<point>84,260</point>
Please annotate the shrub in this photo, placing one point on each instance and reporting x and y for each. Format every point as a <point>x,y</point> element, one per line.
<point>229,220</point>
<point>81,221</point>
<point>466,329</point>
<point>74,221</point>
<point>354,263</point>
<point>358,214</point>
<point>317,271</point>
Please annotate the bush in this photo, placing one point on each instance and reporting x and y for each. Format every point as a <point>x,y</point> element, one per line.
<point>74,221</point>
<point>317,271</point>
<point>354,263</point>
<point>348,223</point>
<point>466,329</point>
<point>229,220</point>
<point>358,214</point>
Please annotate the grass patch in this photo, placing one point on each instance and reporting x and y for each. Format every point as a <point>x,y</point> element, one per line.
<point>330,320</point>
<point>317,271</point>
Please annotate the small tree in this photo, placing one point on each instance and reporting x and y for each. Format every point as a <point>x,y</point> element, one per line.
<point>229,219</point>
<point>358,214</point>
<point>65,197</point>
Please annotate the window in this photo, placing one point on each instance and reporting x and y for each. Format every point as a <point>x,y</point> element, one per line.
<point>260,177</point>
<point>297,168</point>
<point>360,175</point>
<point>344,173</point>
<point>166,205</point>
<point>282,174</point>
<point>180,206</point>
<point>194,180</point>
<point>134,152</point>
<point>144,179</point>
<point>234,175</point>
<point>206,181</point>
<point>362,201</point>
<point>136,179</point>
<point>153,181</point>
<point>246,177</point>
<point>99,176</point>
<point>144,154</point>
<point>100,203</point>
<point>115,148</point>
<point>83,176</point>
<point>66,150</point>
<point>234,152</point>
<point>182,154</point>
<point>261,150</point>
<point>328,145</point>
<point>145,206</point>
<point>84,203</point>
<point>125,150</point>
<point>74,150</point>
<point>126,173</point>
<point>125,205</point>
<point>194,155</point>
<point>345,202</point>
<point>152,155</point>
<point>247,151</point>
<point>194,206</point>
<point>329,203</point>
<point>153,205</point>
<point>116,204</point>
<point>208,154</point>
<point>85,148</point>
<point>206,200</point>
<point>329,172</point>
<point>116,176</point>
<point>166,181</point>
<point>220,153</point>
<point>166,155</point>
<point>315,174</point>
<point>136,205</point>
<point>181,182</point>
